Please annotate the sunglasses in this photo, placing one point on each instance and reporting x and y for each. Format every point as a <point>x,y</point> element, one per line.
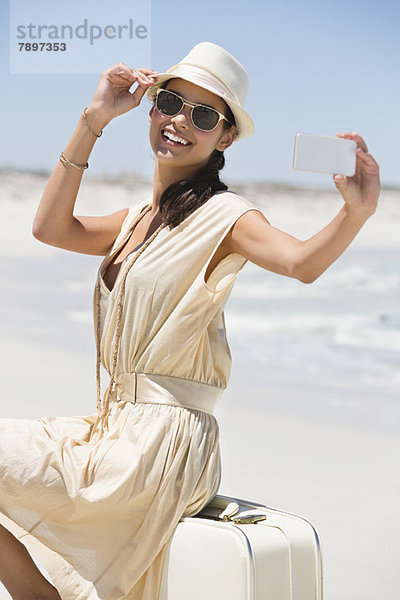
<point>203,117</point>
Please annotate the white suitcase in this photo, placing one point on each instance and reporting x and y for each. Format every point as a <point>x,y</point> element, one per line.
<point>239,550</point>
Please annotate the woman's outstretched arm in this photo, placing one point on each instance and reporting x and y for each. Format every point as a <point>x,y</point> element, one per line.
<point>254,238</point>
<point>54,222</point>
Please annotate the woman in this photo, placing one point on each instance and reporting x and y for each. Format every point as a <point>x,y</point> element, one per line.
<point>97,498</point>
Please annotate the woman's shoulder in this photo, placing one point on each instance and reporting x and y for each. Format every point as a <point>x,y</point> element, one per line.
<point>136,208</point>
<point>232,198</point>
<point>132,212</point>
<point>130,215</point>
<point>229,205</point>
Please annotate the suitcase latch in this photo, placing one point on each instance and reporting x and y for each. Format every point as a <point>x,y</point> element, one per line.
<point>231,513</point>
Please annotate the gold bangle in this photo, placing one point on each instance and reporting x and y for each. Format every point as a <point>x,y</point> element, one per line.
<point>65,161</point>
<point>88,126</point>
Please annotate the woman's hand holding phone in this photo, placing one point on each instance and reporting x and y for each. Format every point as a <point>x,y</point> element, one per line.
<point>361,191</point>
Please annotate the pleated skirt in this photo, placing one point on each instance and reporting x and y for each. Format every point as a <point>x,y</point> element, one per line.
<point>96,501</point>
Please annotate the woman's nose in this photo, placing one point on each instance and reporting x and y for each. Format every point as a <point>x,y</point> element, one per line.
<point>182,119</point>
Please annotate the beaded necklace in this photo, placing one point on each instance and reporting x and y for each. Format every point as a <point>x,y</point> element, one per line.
<point>102,408</point>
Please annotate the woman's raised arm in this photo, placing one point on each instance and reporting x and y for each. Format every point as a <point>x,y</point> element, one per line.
<point>254,238</point>
<point>54,222</point>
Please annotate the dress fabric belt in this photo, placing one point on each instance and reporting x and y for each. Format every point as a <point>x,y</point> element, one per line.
<point>164,389</point>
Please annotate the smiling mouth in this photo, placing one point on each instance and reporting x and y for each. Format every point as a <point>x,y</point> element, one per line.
<point>173,140</point>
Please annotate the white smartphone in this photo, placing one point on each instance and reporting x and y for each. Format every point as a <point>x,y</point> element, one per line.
<point>324,154</point>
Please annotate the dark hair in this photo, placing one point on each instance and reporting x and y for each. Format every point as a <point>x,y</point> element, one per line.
<point>183,197</point>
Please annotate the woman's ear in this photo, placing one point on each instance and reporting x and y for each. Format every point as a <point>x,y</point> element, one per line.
<point>226,139</point>
<point>151,113</point>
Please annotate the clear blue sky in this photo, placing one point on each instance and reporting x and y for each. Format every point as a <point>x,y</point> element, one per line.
<point>314,66</point>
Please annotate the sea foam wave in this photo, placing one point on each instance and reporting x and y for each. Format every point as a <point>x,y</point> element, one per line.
<point>350,329</point>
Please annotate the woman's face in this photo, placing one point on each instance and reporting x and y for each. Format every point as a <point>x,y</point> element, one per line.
<point>200,143</point>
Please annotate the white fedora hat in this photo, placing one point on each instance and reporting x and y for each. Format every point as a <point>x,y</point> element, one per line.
<point>213,68</point>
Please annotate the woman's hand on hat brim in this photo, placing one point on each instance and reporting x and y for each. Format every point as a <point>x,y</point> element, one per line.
<point>112,96</point>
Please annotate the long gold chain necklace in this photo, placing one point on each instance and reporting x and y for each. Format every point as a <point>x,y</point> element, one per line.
<point>126,265</point>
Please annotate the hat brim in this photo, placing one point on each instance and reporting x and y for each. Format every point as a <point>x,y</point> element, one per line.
<point>245,124</point>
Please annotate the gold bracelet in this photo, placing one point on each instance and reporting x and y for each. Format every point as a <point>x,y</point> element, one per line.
<point>88,126</point>
<point>65,161</point>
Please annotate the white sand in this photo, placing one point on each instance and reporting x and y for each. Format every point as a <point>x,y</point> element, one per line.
<point>344,480</point>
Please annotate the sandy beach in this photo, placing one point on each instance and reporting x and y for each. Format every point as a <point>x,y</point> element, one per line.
<point>310,422</point>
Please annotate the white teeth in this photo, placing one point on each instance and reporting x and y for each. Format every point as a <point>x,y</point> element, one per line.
<point>175,138</point>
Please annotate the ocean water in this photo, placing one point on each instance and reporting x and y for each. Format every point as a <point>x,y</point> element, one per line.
<point>328,350</point>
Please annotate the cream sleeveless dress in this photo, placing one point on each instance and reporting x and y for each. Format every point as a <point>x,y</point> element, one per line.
<point>96,498</point>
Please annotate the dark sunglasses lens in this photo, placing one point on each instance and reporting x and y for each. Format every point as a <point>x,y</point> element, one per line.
<point>168,103</point>
<point>205,118</point>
